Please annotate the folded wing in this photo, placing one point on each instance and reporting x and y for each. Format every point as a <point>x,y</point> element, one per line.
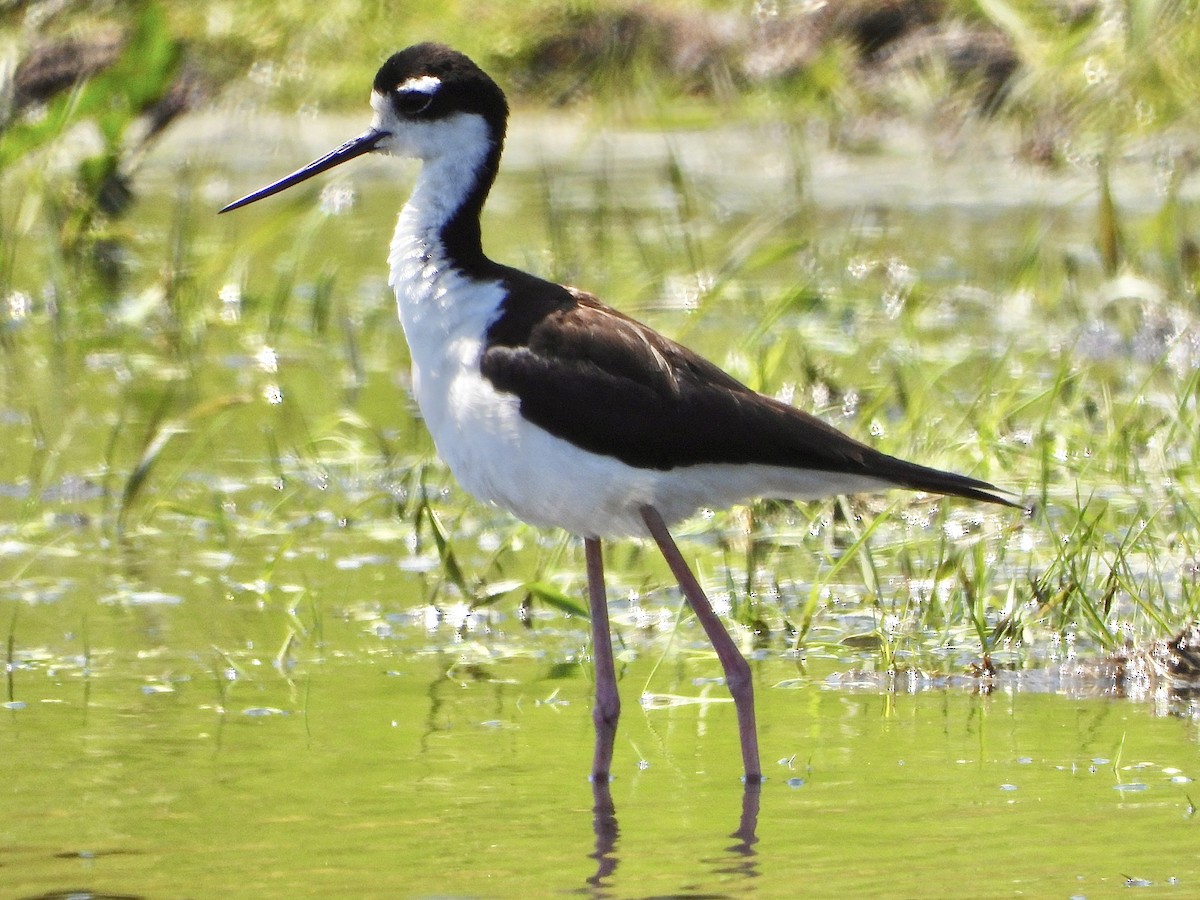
<point>610,385</point>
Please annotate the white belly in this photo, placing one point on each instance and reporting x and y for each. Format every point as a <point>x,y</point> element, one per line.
<point>501,458</point>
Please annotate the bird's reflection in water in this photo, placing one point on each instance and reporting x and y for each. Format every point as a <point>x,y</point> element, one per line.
<point>604,823</point>
<point>740,858</point>
<point>743,859</point>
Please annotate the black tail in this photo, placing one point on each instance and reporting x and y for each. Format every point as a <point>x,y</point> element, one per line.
<point>935,481</point>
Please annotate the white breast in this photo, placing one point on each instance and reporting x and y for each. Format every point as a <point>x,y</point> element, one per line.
<point>495,454</point>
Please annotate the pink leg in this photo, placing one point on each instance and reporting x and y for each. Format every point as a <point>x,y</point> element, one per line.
<point>737,670</point>
<point>608,702</point>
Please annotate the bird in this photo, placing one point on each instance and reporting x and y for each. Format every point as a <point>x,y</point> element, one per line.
<point>545,401</point>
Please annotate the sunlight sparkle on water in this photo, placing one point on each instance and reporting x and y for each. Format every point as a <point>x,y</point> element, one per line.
<point>267,360</point>
<point>19,305</point>
<point>336,199</point>
<point>230,296</point>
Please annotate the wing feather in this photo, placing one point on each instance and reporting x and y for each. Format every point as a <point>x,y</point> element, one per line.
<point>611,385</point>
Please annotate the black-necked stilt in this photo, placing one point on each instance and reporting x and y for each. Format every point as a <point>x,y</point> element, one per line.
<point>545,401</point>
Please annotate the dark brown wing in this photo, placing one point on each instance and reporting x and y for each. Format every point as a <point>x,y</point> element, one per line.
<point>608,384</point>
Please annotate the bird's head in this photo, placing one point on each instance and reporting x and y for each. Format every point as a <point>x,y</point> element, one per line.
<point>430,102</point>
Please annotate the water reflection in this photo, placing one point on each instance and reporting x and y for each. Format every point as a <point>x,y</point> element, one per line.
<point>741,858</point>
<point>745,860</point>
<point>604,823</point>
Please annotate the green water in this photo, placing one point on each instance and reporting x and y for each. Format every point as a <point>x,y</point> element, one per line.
<point>241,662</point>
<point>375,774</point>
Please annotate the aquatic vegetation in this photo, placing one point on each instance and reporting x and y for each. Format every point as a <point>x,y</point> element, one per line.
<point>243,384</point>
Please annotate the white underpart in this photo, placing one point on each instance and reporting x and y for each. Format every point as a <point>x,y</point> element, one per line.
<point>494,452</point>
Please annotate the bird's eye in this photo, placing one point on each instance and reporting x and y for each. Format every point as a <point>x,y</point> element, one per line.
<point>414,95</point>
<point>413,103</point>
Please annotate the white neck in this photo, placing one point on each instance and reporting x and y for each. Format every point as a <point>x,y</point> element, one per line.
<point>441,189</point>
<point>454,151</point>
<point>429,289</point>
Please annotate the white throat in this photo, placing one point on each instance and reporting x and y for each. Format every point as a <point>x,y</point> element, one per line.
<point>429,290</point>
<point>453,151</point>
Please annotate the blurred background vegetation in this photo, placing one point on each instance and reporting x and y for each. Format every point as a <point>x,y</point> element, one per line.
<point>1065,79</point>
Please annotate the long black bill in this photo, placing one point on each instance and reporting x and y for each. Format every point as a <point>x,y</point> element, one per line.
<point>357,146</point>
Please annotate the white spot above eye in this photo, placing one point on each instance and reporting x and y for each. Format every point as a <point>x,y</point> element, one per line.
<point>421,84</point>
